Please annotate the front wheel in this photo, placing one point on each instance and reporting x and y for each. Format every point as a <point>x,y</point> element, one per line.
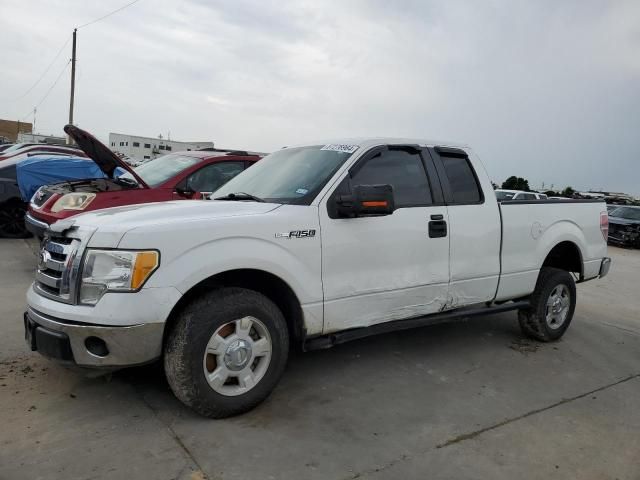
<point>552,305</point>
<point>226,352</point>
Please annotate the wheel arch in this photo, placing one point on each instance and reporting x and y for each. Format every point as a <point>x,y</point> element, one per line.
<point>565,255</point>
<point>12,200</point>
<point>266,283</point>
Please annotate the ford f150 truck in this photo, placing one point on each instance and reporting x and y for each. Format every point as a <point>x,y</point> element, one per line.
<point>313,246</point>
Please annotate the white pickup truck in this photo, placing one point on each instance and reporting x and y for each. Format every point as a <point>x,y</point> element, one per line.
<point>313,246</point>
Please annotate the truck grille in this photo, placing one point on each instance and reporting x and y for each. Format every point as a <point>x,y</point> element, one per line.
<point>57,268</point>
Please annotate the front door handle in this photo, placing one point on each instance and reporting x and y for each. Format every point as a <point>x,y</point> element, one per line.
<point>437,228</point>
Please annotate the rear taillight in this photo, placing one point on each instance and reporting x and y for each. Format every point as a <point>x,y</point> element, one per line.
<point>604,225</point>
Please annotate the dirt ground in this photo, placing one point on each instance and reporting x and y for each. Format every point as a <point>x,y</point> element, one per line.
<point>462,400</point>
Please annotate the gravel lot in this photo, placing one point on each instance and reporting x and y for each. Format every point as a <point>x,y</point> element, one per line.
<point>463,400</point>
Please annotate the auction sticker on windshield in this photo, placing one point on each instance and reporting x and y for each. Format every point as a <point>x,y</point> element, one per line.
<point>340,148</point>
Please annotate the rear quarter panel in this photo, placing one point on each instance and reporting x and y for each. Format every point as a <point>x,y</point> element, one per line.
<point>532,230</point>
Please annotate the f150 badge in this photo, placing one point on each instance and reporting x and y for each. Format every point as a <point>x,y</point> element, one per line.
<point>297,234</point>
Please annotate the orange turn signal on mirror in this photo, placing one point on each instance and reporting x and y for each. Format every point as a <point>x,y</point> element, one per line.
<point>374,204</point>
<point>145,264</point>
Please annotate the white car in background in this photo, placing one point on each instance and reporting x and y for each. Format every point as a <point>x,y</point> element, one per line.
<point>503,195</point>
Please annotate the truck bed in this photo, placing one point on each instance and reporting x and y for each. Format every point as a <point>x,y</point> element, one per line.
<point>531,228</point>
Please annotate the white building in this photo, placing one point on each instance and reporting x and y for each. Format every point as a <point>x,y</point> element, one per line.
<point>145,148</point>
<point>38,138</point>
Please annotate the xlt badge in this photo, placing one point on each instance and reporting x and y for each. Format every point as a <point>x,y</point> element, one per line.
<point>297,234</point>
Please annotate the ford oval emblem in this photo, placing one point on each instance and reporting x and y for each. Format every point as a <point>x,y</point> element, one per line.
<point>44,258</point>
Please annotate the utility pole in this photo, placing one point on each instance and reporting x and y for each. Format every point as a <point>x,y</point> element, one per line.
<point>33,127</point>
<point>73,81</point>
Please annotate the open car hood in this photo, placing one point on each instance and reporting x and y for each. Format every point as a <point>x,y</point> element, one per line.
<point>100,153</point>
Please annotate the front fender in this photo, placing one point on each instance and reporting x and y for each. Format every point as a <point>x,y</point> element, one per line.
<point>300,272</point>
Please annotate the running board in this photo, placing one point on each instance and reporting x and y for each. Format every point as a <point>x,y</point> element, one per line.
<point>328,341</point>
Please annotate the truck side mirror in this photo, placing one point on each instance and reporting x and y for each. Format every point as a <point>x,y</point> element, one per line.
<point>367,200</point>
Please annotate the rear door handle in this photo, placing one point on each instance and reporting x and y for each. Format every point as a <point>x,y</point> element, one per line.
<point>437,227</point>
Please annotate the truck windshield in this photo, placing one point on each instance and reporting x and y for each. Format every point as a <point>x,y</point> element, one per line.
<point>158,171</point>
<point>627,212</point>
<point>291,175</point>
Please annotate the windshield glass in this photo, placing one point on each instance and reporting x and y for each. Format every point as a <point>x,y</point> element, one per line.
<point>162,168</point>
<point>504,195</point>
<point>291,175</point>
<point>627,212</point>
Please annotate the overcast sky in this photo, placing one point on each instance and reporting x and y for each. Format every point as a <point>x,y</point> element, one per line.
<point>547,90</point>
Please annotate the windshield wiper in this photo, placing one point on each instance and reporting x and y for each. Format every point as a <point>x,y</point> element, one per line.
<point>240,196</point>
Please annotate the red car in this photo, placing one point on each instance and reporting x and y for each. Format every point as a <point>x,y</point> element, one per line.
<point>177,176</point>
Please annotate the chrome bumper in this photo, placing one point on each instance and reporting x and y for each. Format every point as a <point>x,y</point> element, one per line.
<point>35,226</point>
<point>605,266</point>
<point>102,346</point>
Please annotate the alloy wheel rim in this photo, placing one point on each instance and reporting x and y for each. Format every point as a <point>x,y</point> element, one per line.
<point>237,356</point>
<point>557,308</point>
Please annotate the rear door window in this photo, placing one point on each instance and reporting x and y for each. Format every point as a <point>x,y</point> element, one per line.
<point>462,179</point>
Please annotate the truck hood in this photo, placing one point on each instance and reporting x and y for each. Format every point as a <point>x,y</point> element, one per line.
<point>100,153</point>
<point>178,212</point>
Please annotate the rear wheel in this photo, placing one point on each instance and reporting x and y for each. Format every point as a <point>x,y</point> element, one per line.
<point>12,220</point>
<point>226,352</point>
<point>552,306</point>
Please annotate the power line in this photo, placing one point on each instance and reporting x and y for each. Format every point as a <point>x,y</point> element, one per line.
<point>45,71</point>
<point>48,91</point>
<point>65,44</point>
<point>108,14</point>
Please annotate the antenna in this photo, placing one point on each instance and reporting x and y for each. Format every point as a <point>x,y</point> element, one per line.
<point>73,81</point>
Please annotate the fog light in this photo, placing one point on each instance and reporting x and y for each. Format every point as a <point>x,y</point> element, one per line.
<point>96,346</point>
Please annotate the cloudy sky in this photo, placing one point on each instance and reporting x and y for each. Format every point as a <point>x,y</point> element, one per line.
<point>547,90</point>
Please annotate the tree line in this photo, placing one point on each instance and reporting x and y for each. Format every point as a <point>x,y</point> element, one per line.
<point>519,183</point>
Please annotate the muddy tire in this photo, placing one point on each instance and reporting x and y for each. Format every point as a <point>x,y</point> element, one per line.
<point>552,305</point>
<point>226,352</point>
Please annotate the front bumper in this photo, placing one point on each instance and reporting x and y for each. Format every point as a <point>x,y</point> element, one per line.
<point>35,226</point>
<point>89,345</point>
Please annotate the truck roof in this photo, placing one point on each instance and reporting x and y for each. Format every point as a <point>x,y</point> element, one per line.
<point>368,142</point>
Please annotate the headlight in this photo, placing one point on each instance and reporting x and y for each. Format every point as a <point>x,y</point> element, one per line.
<point>73,201</point>
<point>115,271</point>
